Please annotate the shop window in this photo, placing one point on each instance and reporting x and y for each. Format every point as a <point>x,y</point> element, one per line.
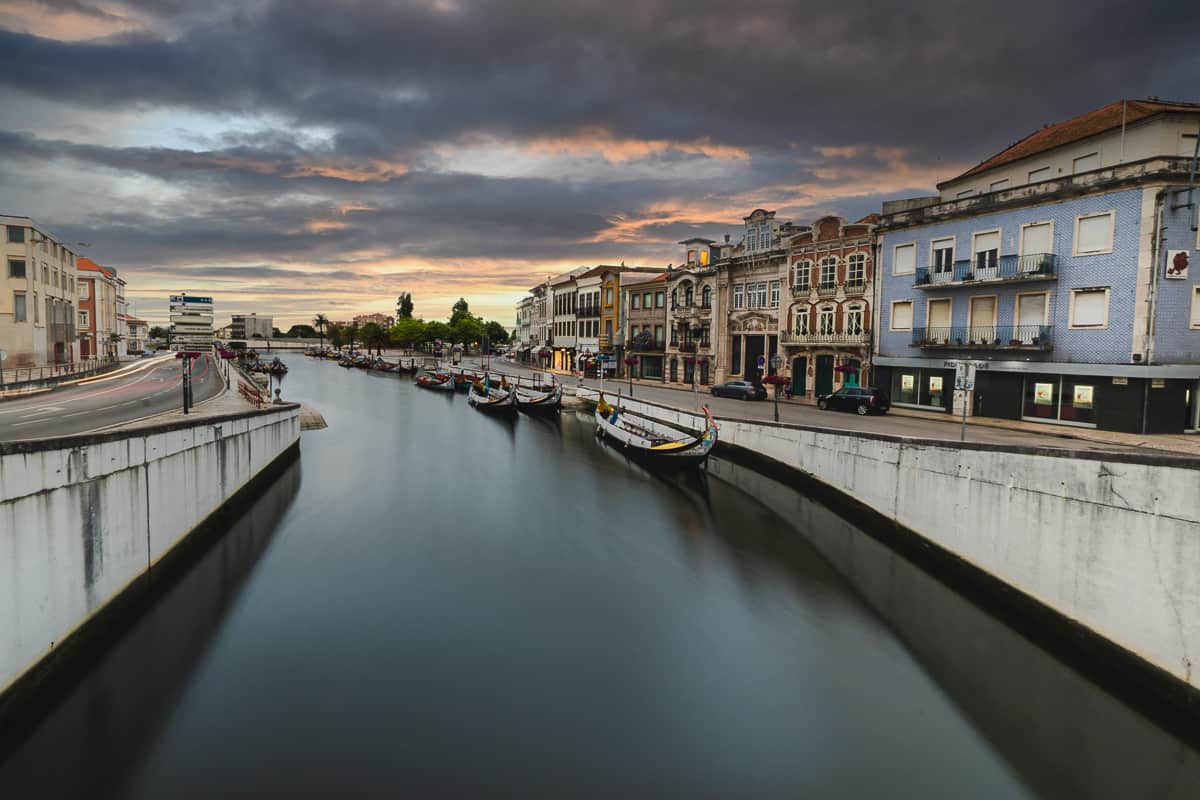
<point>1055,398</point>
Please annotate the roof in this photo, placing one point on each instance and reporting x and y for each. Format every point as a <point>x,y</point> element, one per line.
<point>1105,118</point>
<point>698,240</point>
<point>639,278</point>
<point>87,265</point>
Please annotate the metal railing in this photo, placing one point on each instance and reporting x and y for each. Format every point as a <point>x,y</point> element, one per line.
<point>855,287</point>
<point>20,375</point>
<point>985,337</point>
<point>826,289</point>
<point>859,338</point>
<point>802,290</point>
<point>1032,266</point>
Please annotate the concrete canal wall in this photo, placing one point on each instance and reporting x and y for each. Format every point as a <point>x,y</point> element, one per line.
<point>1108,542</point>
<point>83,518</point>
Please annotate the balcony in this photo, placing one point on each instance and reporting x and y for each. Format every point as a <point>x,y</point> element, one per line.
<point>801,290</point>
<point>985,337</point>
<point>856,339</point>
<point>826,289</point>
<point>1011,268</point>
<point>587,311</point>
<point>855,287</point>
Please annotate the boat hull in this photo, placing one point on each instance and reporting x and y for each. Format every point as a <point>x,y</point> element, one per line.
<point>655,444</point>
<point>533,402</point>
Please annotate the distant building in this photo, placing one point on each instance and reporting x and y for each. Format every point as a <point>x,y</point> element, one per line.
<point>100,330</point>
<point>523,337</point>
<point>382,320</point>
<point>250,326</point>
<point>644,322</point>
<point>191,322</point>
<point>137,333</point>
<point>37,296</point>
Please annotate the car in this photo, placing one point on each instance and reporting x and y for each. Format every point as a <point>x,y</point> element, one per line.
<point>862,400</point>
<point>742,390</point>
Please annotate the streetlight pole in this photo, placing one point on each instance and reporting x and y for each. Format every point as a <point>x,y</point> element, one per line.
<point>696,331</point>
<point>776,363</point>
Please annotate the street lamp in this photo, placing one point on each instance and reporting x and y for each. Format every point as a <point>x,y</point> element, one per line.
<point>697,329</point>
<point>776,363</point>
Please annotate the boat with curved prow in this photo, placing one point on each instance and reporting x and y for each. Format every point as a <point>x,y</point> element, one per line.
<point>493,399</point>
<point>533,400</point>
<point>652,441</point>
<point>436,380</point>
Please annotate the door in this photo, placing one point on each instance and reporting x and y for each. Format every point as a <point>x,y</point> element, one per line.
<point>704,373</point>
<point>689,372</point>
<point>754,350</point>
<point>1031,315</point>
<point>982,320</point>
<point>824,376</point>
<point>674,371</point>
<point>799,376</point>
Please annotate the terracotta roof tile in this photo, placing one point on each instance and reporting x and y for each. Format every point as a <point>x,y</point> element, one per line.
<point>1102,119</point>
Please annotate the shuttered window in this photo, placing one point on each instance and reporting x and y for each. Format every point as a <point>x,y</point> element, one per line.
<point>1196,306</point>
<point>1094,234</point>
<point>1089,308</point>
<point>904,259</point>
<point>902,316</point>
<point>1085,163</point>
<point>1036,239</point>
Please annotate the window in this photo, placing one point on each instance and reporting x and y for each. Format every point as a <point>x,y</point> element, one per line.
<point>18,306</point>
<point>660,299</point>
<point>1037,238</point>
<point>16,234</point>
<point>937,317</point>
<point>803,318</point>
<point>804,275</point>
<point>703,257</point>
<point>854,318</point>
<point>45,274</point>
<point>1187,145</point>
<point>752,240</point>
<point>1089,308</point>
<point>646,300</point>
<point>636,301</point>
<point>689,295</point>
<point>901,316</point>
<point>941,260</point>
<point>1040,174</point>
<point>36,313</point>
<point>83,319</point>
<point>608,297</point>
<point>904,259</point>
<point>737,296</point>
<point>828,272</point>
<point>774,294</point>
<point>54,273</point>
<point>658,334</point>
<point>1085,163</point>
<point>674,298</point>
<point>1195,307</point>
<point>964,193</point>
<point>987,252</point>
<point>856,269</point>
<point>16,267</point>
<point>757,294</point>
<point>996,186</point>
<point>825,320</point>
<point>1094,234</point>
<point>706,296</point>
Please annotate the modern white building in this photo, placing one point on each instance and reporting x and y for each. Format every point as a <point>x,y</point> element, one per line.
<point>251,326</point>
<point>191,322</point>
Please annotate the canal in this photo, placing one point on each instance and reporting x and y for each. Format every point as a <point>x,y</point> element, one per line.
<point>432,602</point>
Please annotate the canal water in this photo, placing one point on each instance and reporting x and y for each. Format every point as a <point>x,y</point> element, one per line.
<point>435,603</point>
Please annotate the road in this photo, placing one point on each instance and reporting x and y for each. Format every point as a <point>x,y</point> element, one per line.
<point>138,389</point>
<point>804,414</point>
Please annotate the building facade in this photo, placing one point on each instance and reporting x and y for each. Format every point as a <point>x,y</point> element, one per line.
<point>563,301</point>
<point>385,321</point>
<point>826,330</point>
<point>38,296</point>
<point>137,334</point>
<point>252,326</point>
<point>523,337</point>
<point>693,314</point>
<point>100,328</point>
<point>1062,267</point>
<point>191,322</point>
<point>587,322</point>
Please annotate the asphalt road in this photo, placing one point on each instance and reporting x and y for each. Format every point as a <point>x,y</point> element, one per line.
<point>136,390</point>
<point>804,414</point>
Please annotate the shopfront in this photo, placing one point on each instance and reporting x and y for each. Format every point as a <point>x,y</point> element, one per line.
<point>1066,399</point>
<point>920,387</point>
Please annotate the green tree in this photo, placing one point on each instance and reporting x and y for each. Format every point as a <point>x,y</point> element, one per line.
<point>337,336</point>
<point>408,332</point>
<point>375,336</point>
<point>321,322</point>
<point>301,331</point>
<point>496,333</point>
<point>159,332</point>
<point>467,329</point>
<point>404,306</point>
<point>353,334</point>
<point>461,309</point>
<point>437,330</point>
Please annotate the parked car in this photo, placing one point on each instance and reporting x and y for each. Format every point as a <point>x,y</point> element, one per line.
<point>860,399</point>
<point>742,390</point>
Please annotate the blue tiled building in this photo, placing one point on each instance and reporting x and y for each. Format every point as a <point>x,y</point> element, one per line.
<point>1062,267</point>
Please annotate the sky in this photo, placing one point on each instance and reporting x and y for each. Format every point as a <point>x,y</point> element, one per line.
<point>291,157</point>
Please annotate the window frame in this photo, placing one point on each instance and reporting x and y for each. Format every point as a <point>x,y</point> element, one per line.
<point>856,308</point>
<point>831,262</point>
<point>1017,306</point>
<point>1021,236</point>
<point>635,301</point>
<point>84,319</point>
<point>858,259</point>
<point>1112,233</point>
<point>975,248</point>
<point>896,247</point>
<point>802,312</point>
<point>660,299</point>
<point>1076,159</point>
<point>933,250</point>
<point>929,305</point>
<point>773,293</point>
<point>739,296</point>
<point>23,316</point>
<point>804,266</point>
<point>827,311</point>
<point>24,268</point>
<point>1194,318</point>
<point>1048,169</point>
<point>995,320</point>
<point>1071,324</point>
<point>892,314</point>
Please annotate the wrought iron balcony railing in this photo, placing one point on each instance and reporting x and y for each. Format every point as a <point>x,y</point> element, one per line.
<point>985,337</point>
<point>1029,267</point>
<point>824,338</point>
<point>855,287</point>
<point>826,289</point>
<point>802,290</point>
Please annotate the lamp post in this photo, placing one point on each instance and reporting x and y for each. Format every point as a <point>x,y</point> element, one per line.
<point>697,329</point>
<point>776,363</point>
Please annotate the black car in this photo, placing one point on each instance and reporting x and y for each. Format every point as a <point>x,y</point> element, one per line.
<point>742,390</point>
<point>860,399</point>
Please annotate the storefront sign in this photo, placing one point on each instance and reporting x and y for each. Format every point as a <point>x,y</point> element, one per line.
<point>1120,381</point>
<point>935,384</point>
<point>1177,264</point>
<point>1043,394</point>
<point>1083,396</point>
<point>1158,383</point>
<point>907,382</point>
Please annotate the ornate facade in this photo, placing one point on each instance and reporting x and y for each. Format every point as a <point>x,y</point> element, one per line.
<point>693,318</point>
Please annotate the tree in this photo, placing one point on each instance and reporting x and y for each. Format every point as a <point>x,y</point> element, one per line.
<point>353,334</point>
<point>404,306</point>
<point>496,333</point>
<point>466,329</point>
<point>374,335</point>
<point>408,332</point>
<point>301,332</point>
<point>437,330</point>
<point>337,336</point>
<point>159,332</point>
<point>461,309</point>
<point>320,322</point>
<point>276,333</point>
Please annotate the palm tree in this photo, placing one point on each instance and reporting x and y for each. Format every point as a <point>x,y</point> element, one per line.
<point>319,322</point>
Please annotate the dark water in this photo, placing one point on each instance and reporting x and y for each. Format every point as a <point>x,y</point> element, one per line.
<point>436,603</point>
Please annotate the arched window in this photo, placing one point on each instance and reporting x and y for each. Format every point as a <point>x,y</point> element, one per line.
<point>803,316</point>
<point>706,296</point>
<point>826,316</point>
<point>854,318</point>
<point>689,295</point>
<point>674,298</point>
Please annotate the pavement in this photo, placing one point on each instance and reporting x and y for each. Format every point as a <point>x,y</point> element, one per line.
<point>138,390</point>
<point>899,422</point>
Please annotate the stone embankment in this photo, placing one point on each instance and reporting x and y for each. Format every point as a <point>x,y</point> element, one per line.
<point>1101,547</point>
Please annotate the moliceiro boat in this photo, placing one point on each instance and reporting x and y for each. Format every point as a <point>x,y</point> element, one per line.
<point>436,380</point>
<point>534,400</point>
<point>486,397</point>
<point>652,441</point>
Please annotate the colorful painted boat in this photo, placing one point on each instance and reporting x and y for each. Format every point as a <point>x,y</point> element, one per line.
<point>654,442</point>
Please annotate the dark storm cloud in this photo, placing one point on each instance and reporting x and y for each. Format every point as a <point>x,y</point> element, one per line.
<point>938,77</point>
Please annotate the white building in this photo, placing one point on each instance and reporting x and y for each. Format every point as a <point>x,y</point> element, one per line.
<point>191,322</point>
<point>587,318</point>
<point>37,296</point>
<point>251,326</point>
